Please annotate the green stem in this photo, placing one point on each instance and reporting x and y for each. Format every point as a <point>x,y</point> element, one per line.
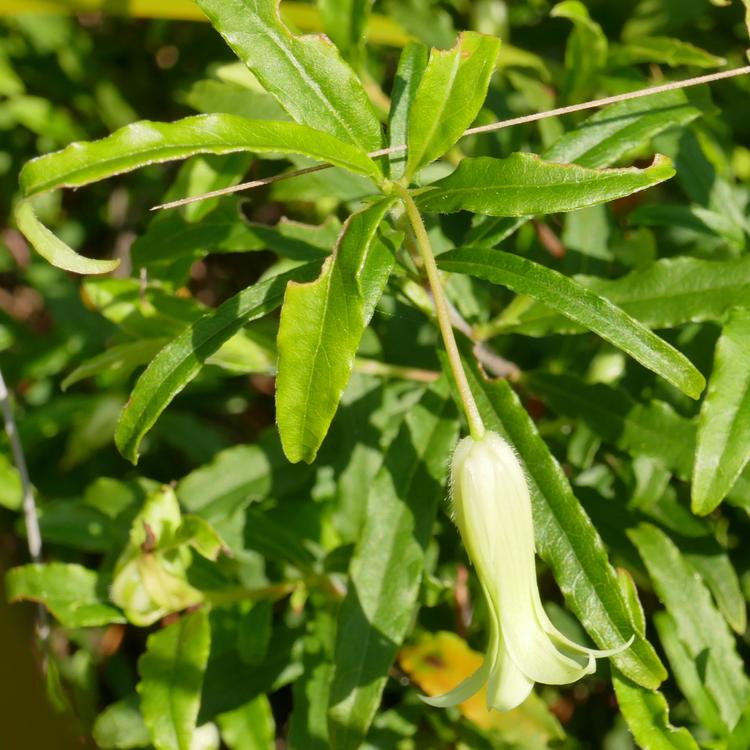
<point>476,426</point>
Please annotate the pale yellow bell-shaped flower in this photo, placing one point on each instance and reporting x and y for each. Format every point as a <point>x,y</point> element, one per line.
<point>492,509</point>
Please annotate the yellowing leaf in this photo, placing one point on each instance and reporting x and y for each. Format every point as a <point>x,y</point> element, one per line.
<point>438,662</point>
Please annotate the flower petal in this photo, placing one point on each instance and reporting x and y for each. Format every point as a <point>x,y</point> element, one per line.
<point>508,686</point>
<point>463,691</point>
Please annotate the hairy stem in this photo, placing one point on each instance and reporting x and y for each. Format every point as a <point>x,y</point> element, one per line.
<point>476,426</point>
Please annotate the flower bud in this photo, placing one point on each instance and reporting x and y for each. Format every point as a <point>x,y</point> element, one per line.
<point>492,509</point>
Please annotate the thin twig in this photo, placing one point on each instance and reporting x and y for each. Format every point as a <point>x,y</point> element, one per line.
<point>491,127</point>
<point>33,533</point>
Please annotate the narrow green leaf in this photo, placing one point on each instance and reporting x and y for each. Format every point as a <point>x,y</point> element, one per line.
<point>181,360</point>
<point>387,565</point>
<point>616,417</point>
<point>585,51</point>
<point>524,185</point>
<point>687,675</point>
<point>322,323</point>
<point>647,714</point>
<point>249,727</point>
<point>715,567</point>
<point>171,672</point>
<point>581,305</point>
<point>565,537</point>
<point>740,737</point>
<point>603,139</point>
<point>663,50</point>
<point>667,293</point>
<point>52,248</point>
<point>723,443</point>
<point>345,22</point>
<point>73,594</point>
<point>171,240</point>
<point>450,94</point>
<point>411,67</point>
<point>306,74</point>
<point>146,142</point>
<point>700,627</point>
<point>308,729</point>
<point>123,358</point>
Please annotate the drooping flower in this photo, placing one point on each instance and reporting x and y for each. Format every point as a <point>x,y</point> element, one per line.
<point>492,509</point>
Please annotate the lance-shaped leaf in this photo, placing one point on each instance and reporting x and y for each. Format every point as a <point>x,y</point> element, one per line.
<point>723,447</point>
<point>181,360</point>
<point>525,185</point>
<point>411,67</point>
<point>667,293</point>
<point>565,537</point>
<point>345,22</point>
<point>585,51</point>
<point>662,50</point>
<point>147,142</point>
<point>700,627</point>
<point>687,674</point>
<point>581,305</point>
<point>450,94</point>
<point>306,74</point>
<point>604,138</point>
<point>647,715</point>
<point>171,671</point>
<point>387,566</point>
<point>612,414</point>
<point>322,323</point>
<point>144,143</point>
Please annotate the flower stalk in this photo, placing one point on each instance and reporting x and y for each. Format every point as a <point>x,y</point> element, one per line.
<point>476,426</point>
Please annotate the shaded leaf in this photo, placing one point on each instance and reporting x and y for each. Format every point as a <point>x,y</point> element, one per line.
<point>249,727</point>
<point>121,727</point>
<point>585,51</point>
<point>345,22</point>
<point>308,729</point>
<point>663,50</point>
<point>700,627</point>
<point>723,440</point>
<point>687,675</point>
<point>387,565</point>
<point>122,358</point>
<point>616,417</point>
<point>171,672</point>
<point>647,714</point>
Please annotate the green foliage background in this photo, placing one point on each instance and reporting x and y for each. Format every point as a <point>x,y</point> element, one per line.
<point>213,594</point>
